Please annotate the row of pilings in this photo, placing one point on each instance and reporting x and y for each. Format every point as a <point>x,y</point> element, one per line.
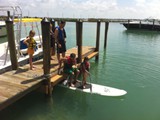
<point>45,25</point>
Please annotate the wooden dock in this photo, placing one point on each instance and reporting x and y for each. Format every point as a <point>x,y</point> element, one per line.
<point>15,84</point>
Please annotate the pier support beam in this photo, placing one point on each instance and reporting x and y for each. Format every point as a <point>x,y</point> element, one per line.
<point>140,24</point>
<point>128,23</point>
<point>153,24</point>
<point>46,54</point>
<point>11,43</point>
<point>53,28</point>
<point>105,34</point>
<point>79,27</point>
<point>98,38</point>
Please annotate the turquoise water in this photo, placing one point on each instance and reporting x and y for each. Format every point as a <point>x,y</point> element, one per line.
<point>130,62</point>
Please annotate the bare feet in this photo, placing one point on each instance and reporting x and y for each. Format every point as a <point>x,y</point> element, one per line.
<point>52,58</point>
<point>32,68</point>
<point>72,85</point>
<point>75,81</point>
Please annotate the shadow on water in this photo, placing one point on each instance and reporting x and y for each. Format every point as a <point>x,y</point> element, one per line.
<point>142,33</point>
<point>3,39</point>
<point>22,107</point>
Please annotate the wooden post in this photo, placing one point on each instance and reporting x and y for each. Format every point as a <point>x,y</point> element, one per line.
<point>105,34</point>
<point>98,38</point>
<point>79,26</point>
<point>11,43</point>
<point>128,23</point>
<point>46,56</point>
<point>53,24</point>
<point>140,24</point>
<point>153,24</point>
<point>53,28</point>
<point>77,35</point>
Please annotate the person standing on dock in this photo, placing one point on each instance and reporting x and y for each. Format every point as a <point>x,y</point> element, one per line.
<point>31,43</point>
<point>60,38</point>
<point>70,68</point>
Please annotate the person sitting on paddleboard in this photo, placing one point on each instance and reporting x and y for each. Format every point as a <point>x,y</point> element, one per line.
<point>70,68</point>
<point>84,68</point>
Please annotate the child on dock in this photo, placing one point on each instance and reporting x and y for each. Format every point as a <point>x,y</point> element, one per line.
<point>31,43</point>
<point>84,68</point>
<point>70,68</point>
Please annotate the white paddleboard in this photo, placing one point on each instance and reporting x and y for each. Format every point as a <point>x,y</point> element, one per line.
<point>96,89</point>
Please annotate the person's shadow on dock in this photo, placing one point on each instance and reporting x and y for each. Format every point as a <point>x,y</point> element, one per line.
<point>21,70</point>
<point>35,78</point>
<point>29,77</point>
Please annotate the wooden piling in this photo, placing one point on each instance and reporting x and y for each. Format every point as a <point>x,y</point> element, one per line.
<point>153,24</point>
<point>11,43</point>
<point>53,28</point>
<point>140,24</point>
<point>46,56</point>
<point>98,38</point>
<point>79,27</point>
<point>128,23</point>
<point>105,34</point>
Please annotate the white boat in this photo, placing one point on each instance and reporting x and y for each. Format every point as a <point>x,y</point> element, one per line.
<point>3,31</point>
<point>22,57</point>
<point>21,48</point>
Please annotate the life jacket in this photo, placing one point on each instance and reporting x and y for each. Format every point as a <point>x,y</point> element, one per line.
<point>61,34</point>
<point>85,66</point>
<point>69,63</point>
<point>32,43</point>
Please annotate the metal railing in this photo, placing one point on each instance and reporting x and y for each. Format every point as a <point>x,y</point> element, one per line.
<point>13,12</point>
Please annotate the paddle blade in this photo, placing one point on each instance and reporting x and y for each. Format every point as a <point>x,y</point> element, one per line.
<point>91,88</point>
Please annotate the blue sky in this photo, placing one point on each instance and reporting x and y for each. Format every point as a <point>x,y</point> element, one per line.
<point>88,8</point>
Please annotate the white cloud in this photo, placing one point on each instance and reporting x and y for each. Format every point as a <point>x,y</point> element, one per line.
<point>88,8</point>
<point>140,1</point>
<point>148,8</point>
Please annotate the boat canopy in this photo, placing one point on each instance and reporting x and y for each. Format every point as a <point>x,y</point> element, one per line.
<point>28,20</point>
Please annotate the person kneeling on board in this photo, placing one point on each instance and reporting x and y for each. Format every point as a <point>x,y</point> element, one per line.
<point>70,68</point>
<point>84,69</point>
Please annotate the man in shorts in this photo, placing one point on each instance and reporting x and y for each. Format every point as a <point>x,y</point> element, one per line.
<point>60,38</point>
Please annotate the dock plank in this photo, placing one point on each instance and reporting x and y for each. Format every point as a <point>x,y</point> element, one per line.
<point>26,80</point>
<point>56,79</point>
<point>2,99</point>
<point>92,55</point>
<point>8,89</point>
<point>12,82</point>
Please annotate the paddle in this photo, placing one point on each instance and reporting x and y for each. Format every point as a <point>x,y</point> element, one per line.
<point>90,80</point>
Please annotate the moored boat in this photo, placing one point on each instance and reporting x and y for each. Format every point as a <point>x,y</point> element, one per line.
<point>3,31</point>
<point>148,24</point>
<point>21,48</point>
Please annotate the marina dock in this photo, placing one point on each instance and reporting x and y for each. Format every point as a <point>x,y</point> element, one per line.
<point>20,81</point>
<point>17,83</point>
